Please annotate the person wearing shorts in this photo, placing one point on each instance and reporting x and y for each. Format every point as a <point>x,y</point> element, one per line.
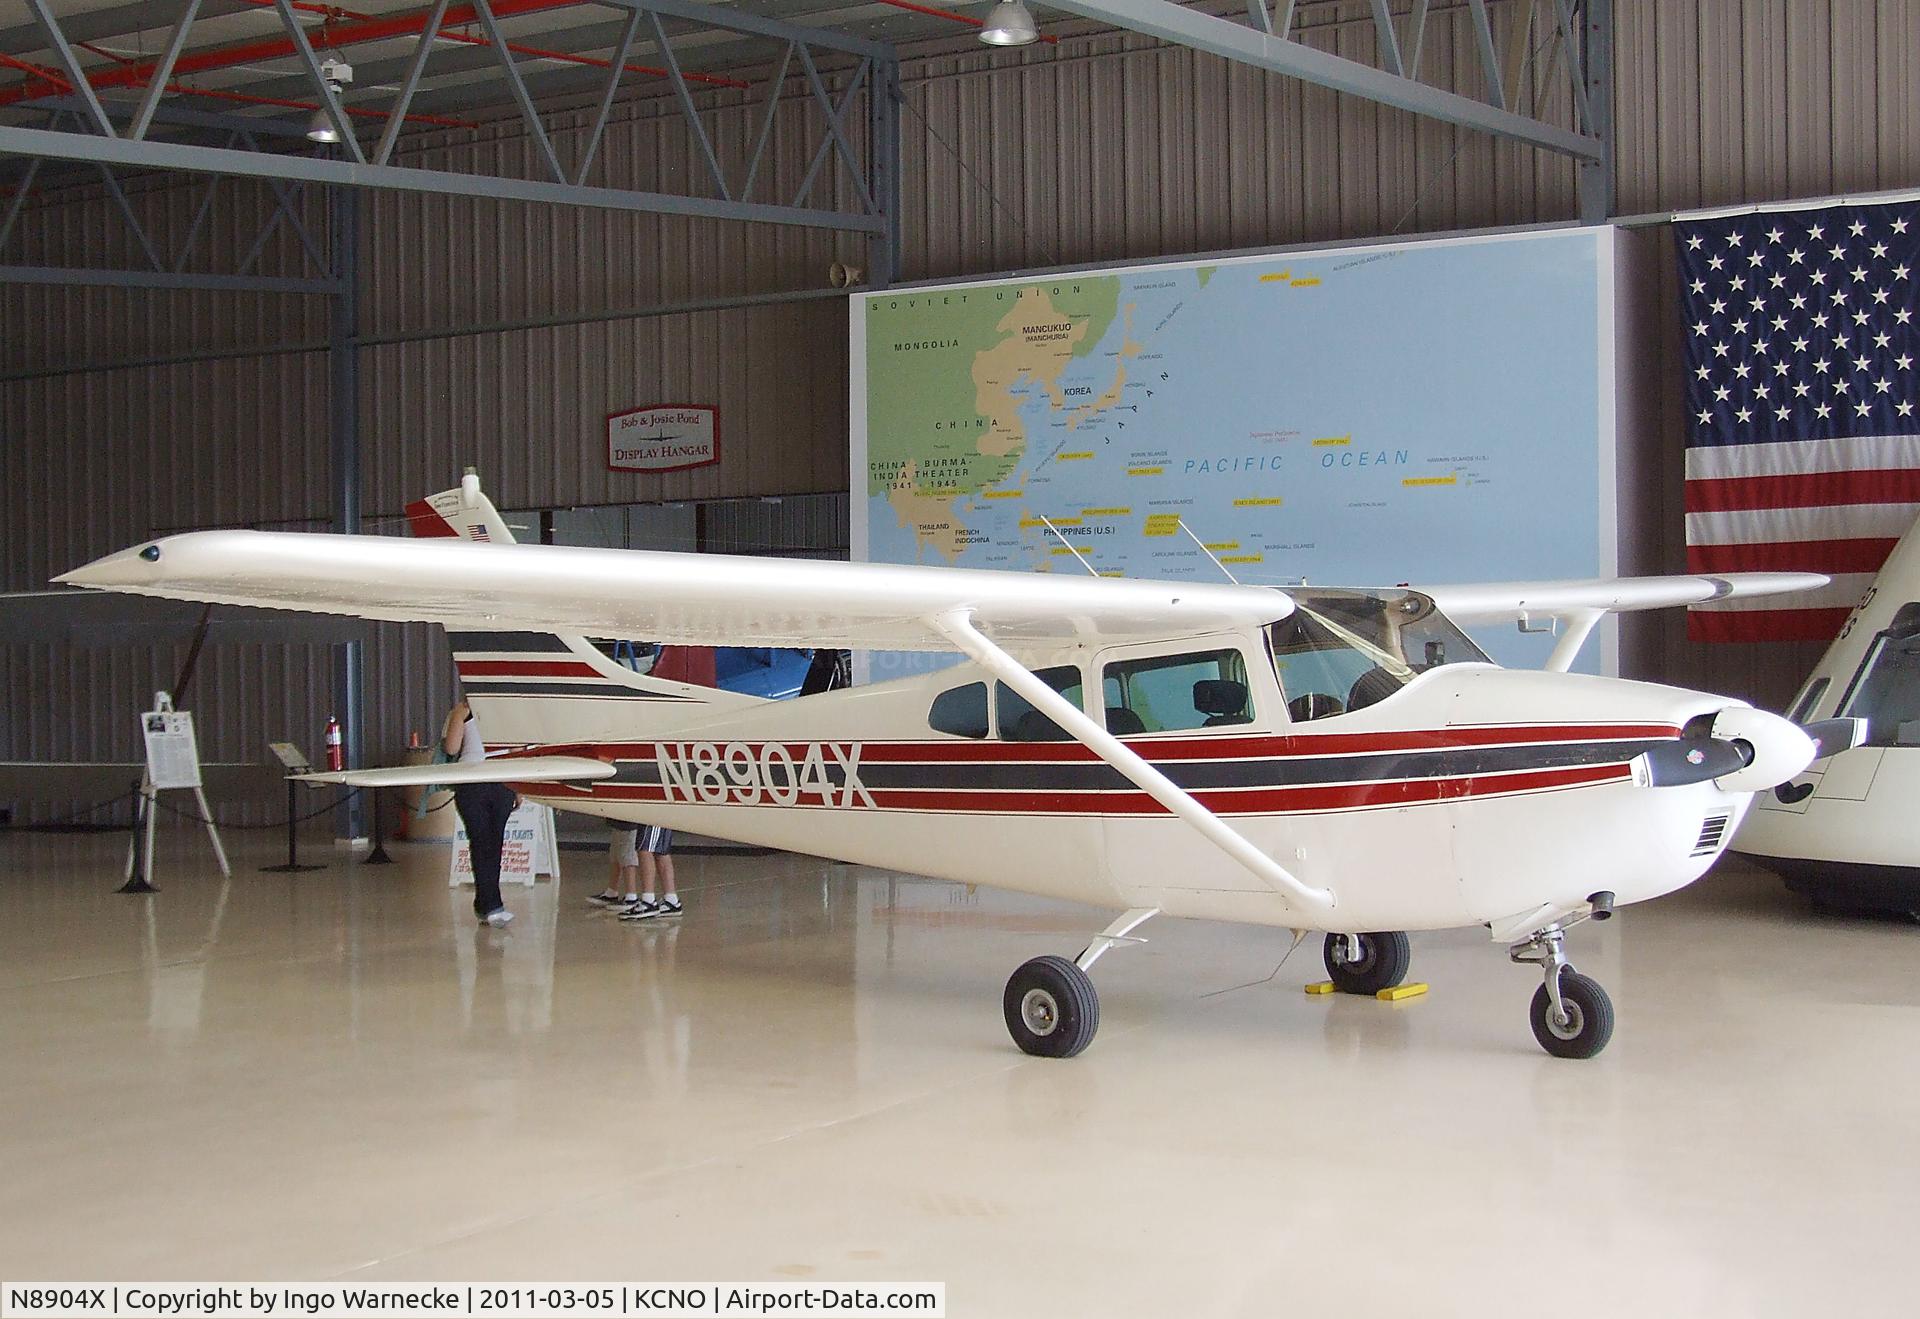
<point>657,896</point>
<point>623,864</point>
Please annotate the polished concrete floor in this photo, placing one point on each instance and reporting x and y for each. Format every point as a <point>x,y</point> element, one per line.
<point>338,1075</point>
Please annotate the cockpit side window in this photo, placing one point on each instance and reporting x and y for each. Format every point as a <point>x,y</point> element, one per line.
<point>1886,690</point>
<point>1020,722</point>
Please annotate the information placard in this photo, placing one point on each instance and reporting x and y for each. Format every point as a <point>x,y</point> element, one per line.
<point>173,761</point>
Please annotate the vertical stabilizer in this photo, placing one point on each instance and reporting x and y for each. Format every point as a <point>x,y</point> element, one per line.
<point>540,688</point>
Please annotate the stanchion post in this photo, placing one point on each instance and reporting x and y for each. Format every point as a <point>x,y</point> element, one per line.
<point>292,865</point>
<point>378,856</point>
<point>139,866</point>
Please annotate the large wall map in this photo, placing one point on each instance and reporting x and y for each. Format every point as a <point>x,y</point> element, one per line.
<point>1428,412</point>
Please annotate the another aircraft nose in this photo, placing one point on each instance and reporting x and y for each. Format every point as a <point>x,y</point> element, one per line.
<point>126,568</point>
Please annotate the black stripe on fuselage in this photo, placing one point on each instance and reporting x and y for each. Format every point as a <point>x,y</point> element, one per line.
<point>507,643</point>
<point>610,690</point>
<point>1287,771</point>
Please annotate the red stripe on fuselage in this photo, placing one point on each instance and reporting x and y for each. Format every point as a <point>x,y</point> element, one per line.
<point>526,669</point>
<point>1222,801</point>
<point>1260,747</point>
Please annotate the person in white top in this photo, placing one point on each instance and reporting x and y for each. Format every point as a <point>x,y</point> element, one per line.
<point>484,809</point>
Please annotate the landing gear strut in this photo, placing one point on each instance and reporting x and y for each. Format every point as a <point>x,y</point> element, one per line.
<point>1571,1014</point>
<point>1051,1008</point>
<point>1366,963</point>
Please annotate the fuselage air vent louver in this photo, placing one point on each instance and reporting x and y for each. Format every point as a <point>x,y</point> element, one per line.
<point>1712,834</point>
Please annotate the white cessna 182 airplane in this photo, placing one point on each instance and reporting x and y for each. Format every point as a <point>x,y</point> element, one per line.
<point>1345,761</point>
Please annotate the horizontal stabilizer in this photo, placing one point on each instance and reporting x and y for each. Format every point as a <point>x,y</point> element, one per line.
<point>506,769</point>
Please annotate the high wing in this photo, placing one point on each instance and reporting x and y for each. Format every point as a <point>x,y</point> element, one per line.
<point>1581,604</point>
<point>688,599</point>
<point>1506,602</point>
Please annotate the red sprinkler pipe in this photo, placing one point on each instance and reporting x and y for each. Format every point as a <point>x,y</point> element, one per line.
<point>518,48</point>
<point>244,98</point>
<point>330,36</point>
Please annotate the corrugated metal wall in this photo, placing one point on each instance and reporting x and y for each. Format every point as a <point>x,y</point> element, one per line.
<point>1102,147</point>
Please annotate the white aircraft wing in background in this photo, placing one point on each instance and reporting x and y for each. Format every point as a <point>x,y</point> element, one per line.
<point>1581,604</point>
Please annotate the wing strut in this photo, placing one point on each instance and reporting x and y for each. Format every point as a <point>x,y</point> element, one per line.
<point>957,626</point>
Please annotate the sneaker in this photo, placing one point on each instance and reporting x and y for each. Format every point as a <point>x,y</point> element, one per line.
<point>641,911</point>
<point>609,898</point>
<point>497,917</point>
<point>670,906</point>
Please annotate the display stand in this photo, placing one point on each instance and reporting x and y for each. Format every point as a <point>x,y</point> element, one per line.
<point>173,762</point>
<point>295,761</point>
<point>378,855</point>
<point>530,849</point>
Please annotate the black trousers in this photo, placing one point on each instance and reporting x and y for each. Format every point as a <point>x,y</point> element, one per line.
<point>484,808</point>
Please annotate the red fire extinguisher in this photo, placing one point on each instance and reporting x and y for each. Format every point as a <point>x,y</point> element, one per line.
<point>336,750</point>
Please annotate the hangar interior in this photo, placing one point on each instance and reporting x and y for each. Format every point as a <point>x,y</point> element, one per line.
<point>241,287</point>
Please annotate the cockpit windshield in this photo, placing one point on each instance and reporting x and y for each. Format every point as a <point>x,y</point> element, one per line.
<point>1341,651</point>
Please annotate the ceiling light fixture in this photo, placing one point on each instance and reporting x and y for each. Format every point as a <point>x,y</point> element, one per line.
<point>334,76</point>
<point>1009,24</point>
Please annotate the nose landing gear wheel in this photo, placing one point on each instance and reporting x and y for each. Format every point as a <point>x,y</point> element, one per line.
<point>1367,963</point>
<point>1584,1026</point>
<point>1051,1008</point>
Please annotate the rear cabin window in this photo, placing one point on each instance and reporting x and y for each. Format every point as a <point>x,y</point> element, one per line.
<point>1020,722</point>
<point>961,711</point>
<point>1170,693</point>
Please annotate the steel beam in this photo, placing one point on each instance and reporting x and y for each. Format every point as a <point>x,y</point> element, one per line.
<point>343,427</point>
<point>774,86</point>
<point>1242,44</point>
<point>883,163</point>
<point>1594,182</point>
<point>20,191</point>
<point>615,67</point>
<point>1489,55</point>
<point>688,110</point>
<point>518,86</point>
<point>70,64</point>
<point>157,85</point>
<point>1388,42</point>
<point>159,279</point>
<point>397,117</point>
<point>836,138</point>
<point>252,164</point>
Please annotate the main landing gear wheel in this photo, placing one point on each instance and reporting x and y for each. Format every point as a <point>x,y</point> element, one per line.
<point>1052,1010</point>
<point>1367,963</point>
<point>1584,1023</point>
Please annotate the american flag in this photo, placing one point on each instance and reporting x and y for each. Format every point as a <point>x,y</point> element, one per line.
<point>1803,402</point>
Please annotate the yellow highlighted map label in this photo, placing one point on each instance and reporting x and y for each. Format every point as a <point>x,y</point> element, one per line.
<point>1219,545</point>
<point>1326,440</point>
<point>1272,502</point>
<point>1309,282</point>
<point>1430,480</point>
<point>1003,494</point>
<point>1146,471</point>
<point>1161,529</point>
<point>1064,549</point>
<point>1076,457</point>
<point>1106,512</point>
<point>1242,558</point>
<point>1280,278</point>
